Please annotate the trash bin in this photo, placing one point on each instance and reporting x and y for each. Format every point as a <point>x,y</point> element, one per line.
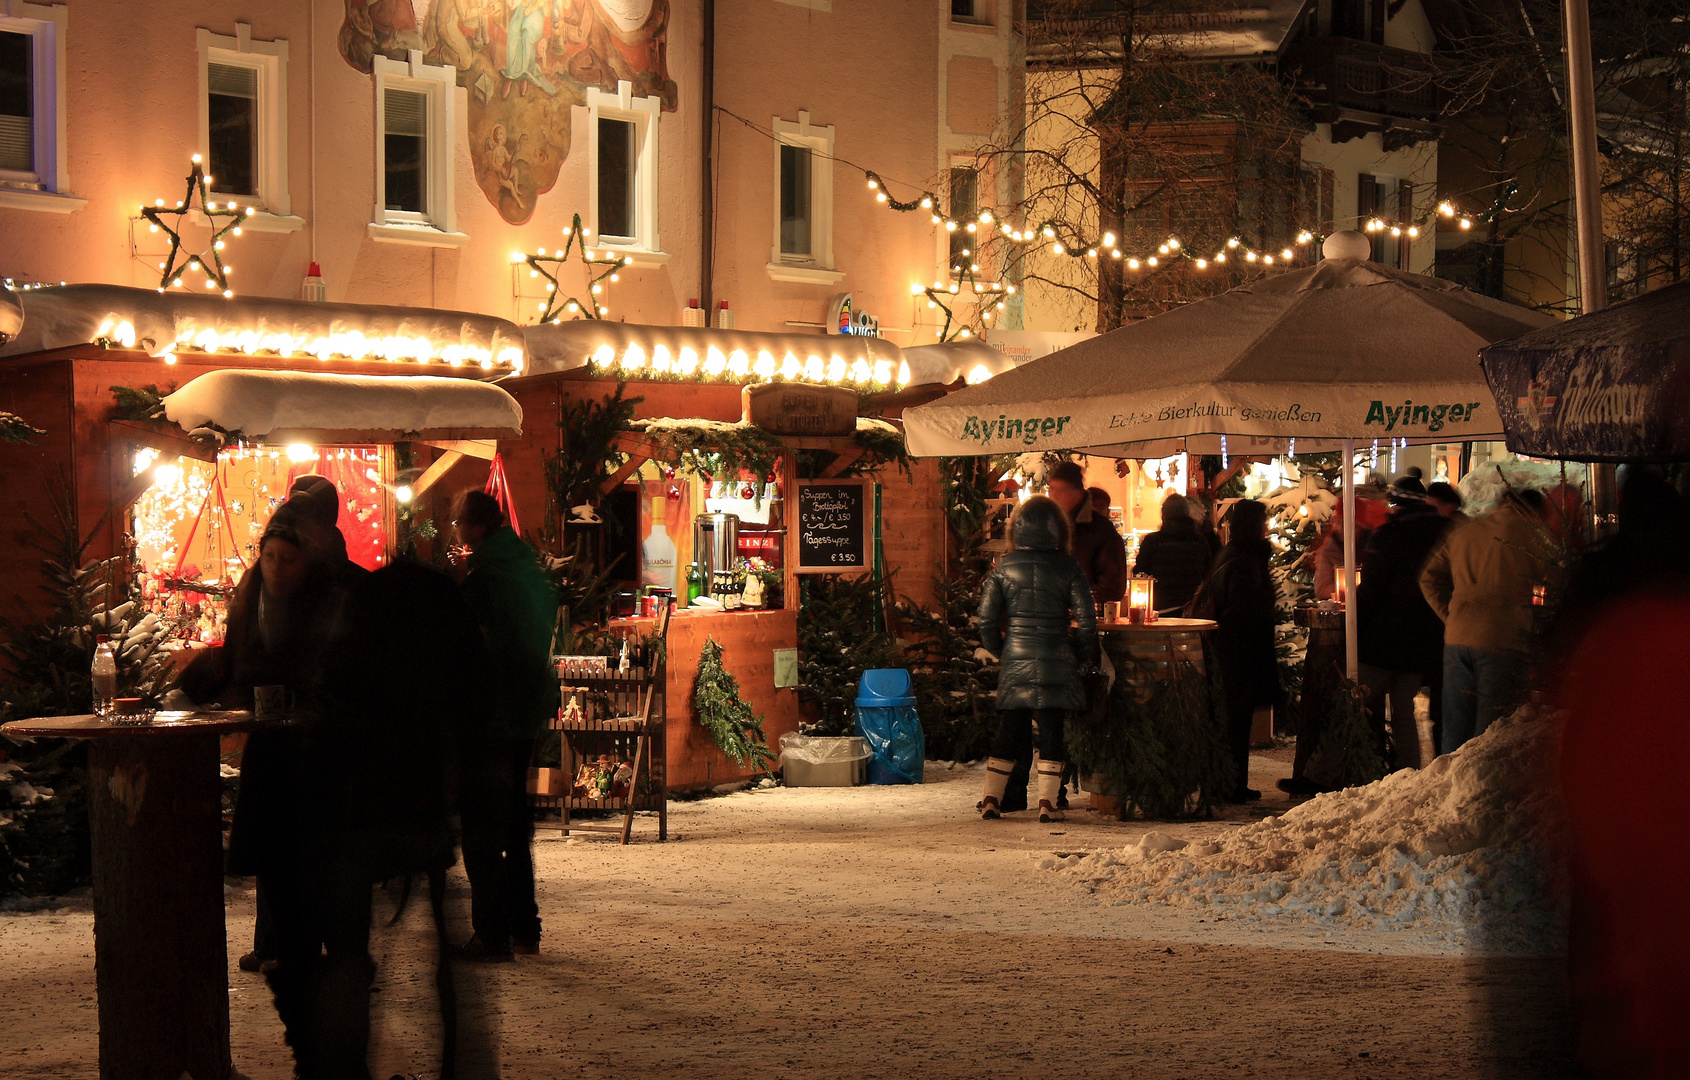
<point>812,762</point>
<point>887,718</point>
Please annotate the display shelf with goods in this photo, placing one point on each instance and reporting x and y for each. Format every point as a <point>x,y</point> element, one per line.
<point>612,737</point>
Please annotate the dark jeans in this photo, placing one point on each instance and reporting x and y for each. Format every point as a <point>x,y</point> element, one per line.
<point>1238,717</point>
<point>498,846</point>
<point>320,919</point>
<point>1479,684</point>
<point>1015,733</point>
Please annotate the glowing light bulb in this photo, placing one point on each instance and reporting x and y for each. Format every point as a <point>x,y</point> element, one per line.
<point>403,494</point>
<point>298,452</point>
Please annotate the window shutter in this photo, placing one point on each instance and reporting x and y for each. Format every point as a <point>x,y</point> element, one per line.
<point>232,80</point>
<point>405,112</point>
<point>1405,214</point>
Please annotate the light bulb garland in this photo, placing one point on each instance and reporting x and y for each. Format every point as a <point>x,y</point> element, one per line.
<point>209,261</point>
<point>557,305</point>
<point>1061,241</point>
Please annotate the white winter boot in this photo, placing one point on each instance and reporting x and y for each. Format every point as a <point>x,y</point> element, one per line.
<point>1050,789</point>
<point>997,778</point>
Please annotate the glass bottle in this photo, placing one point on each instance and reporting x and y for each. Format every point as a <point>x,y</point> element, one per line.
<point>103,675</point>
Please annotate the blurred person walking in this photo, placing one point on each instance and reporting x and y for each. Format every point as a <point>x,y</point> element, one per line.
<point>1027,603</point>
<point>515,605</point>
<point>1480,582</point>
<point>288,809</point>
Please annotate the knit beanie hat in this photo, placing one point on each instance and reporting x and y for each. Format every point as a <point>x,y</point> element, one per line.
<point>323,501</point>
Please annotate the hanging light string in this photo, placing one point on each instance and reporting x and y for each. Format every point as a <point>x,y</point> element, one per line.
<point>542,265</point>
<point>1061,240</point>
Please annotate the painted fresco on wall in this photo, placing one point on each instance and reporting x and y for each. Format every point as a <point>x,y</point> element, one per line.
<point>525,64</point>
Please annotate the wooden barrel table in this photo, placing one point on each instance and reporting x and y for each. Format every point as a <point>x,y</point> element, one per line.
<point>1141,650</point>
<point>161,963</point>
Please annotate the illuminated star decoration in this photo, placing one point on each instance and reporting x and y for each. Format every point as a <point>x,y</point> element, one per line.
<point>210,261</point>
<point>556,304</point>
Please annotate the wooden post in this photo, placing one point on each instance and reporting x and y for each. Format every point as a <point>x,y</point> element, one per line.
<point>160,957</point>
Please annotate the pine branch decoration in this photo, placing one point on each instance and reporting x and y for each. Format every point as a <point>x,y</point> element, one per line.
<point>721,706</point>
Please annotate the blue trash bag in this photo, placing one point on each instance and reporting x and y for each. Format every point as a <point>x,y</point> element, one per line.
<point>887,718</point>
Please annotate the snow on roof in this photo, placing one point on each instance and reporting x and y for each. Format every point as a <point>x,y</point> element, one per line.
<point>256,403</point>
<point>726,355</point>
<point>971,360</point>
<point>160,323</point>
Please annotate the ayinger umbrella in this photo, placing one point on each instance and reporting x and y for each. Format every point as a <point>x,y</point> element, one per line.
<point>1343,352</point>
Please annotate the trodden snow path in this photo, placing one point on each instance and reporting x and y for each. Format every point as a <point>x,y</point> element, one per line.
<point>873,932</point>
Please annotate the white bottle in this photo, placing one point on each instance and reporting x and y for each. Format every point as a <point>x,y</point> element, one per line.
<point>103,675</point>
<point>657,558</point>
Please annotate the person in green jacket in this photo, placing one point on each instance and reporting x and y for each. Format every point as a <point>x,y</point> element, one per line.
<point>516,604</point>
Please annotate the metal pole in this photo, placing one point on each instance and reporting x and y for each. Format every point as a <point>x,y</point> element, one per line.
<point>1587,202</point>
<point>1352,647</point>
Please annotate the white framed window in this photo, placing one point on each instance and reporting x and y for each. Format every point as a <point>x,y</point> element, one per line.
<point>32,117</point>
<point>416,125</point>
<point>803,203</point>
<point>244,124</point>
<point>622,172</point>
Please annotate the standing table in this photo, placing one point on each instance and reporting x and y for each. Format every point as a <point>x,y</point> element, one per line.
<point>160,958</point>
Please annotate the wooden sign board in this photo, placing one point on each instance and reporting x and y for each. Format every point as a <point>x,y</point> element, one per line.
<point>834,521</point>
<point>793,409</point>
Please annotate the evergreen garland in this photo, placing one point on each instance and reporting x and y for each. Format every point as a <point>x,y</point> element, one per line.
<point>714,447</point>
<point>137,403</point>
<point>13,428</point>
<point>1162,750</point>
<point>726,715</point>
<point>837,642</point>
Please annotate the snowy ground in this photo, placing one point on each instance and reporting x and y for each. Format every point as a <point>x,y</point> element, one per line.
<point>880,932</point>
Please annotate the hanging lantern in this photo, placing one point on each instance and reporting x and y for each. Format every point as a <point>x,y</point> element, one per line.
<point>1141,599</point>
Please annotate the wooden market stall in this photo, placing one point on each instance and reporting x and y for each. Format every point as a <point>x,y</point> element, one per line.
<point>91,362</point>
<point>817,440</point>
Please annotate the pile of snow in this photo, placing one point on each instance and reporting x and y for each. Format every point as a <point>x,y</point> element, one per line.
<point>1464,851</point>
<point>257,403</point>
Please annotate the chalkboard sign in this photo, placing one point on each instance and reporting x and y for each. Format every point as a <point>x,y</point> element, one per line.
<point>833,526</point>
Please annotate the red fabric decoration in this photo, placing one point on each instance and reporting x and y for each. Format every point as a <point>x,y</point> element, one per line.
<point>499,486</point>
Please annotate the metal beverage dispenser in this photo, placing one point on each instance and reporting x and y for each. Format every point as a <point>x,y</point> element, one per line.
<point>715,541</point>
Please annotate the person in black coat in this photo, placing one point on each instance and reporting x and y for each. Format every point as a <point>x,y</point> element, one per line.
<point>1400,639</point>
<point>1027,604</point>
<point>1240,597</point>
<point>1176,555</point>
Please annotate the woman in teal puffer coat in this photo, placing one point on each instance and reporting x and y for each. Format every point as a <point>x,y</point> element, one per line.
<point>1029,604</point>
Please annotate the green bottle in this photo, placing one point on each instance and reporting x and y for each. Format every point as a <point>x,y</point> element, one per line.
<point>695,581</point>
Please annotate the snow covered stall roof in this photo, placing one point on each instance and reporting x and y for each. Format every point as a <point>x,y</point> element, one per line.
<point>629,349</point>
<point>318,407</point>
<point>163,324</point>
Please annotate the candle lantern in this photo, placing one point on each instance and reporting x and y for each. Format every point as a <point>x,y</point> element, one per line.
<point>1339,592</point>
<point>1141,599</point>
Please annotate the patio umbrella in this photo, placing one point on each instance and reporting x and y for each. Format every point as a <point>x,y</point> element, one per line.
<point>1613,385</point>
<point>1345,351</point>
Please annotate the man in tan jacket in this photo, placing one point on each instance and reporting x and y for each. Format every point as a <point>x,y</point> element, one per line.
<point>1480,584</point>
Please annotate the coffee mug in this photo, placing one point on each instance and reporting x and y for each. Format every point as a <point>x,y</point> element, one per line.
<point>1111,611</point>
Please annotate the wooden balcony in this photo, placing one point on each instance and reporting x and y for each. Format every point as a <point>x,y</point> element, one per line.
<point>1358,86</point>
